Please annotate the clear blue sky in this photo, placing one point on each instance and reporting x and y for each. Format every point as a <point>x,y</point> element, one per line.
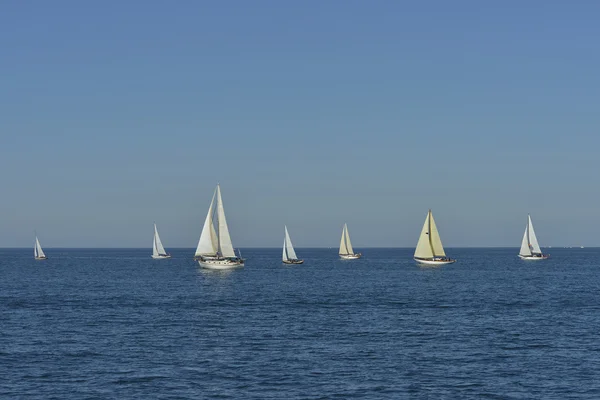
<point>309,113</point>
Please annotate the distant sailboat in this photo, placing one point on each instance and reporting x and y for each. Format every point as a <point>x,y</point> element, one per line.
<point>346,250</point>
<point>530,248</point>
<point>289,255</point>
<point>215,250</point>
<point>38,253</point>
<point>158,251</point>
<point>429,248</point>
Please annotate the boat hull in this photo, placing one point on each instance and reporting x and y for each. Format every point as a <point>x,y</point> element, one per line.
<point>290,262</point>
<point>350,256</point>
<point>41,258</point>
<point>221,263</point>
<point>160,257</point>
<point>433,262</point>
<point>531,258</point>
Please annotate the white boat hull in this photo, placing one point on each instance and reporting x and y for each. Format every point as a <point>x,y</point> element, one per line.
<point>41,258</point>
<point>160,257</point>
<point>350,256</point>
<point>434,262</point>
<point>220,263</point>
<point>531,258</point>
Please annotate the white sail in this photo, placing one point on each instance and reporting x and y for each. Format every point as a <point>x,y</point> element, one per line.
<point>424,248</point>
<point>529,245</point>
<point>525,250</point>
<point>207,245</point>
<point>429,244</point>
<point>157,246</point>
<point>289,248</point>
<point>348,243</point>
<point>225,245</point>
<point>284,256</point>
<point>345,244</point>
<point>535,246</point>
<point>37,250</point>
<point>343,247</point>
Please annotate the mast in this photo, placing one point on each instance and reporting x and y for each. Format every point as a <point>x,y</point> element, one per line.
<point>429,232</point>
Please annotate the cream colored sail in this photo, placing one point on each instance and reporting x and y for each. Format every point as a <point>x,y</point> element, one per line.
<point>207,245</point>
<point>436,241</point>
<point>225,245</point>
<point>288,248</point>
<point>429,244</point>
<point>424,248</point>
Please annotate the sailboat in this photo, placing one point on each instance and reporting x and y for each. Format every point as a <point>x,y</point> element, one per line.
<point>38,253</point>
<point>530,248</point>
<point>289,255</point>
<point>158,251</point>
<point>215,250</point>
<point>429,248</point>
<point>346,250</point>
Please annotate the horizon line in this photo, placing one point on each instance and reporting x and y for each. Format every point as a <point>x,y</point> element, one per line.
<point>307,247</point>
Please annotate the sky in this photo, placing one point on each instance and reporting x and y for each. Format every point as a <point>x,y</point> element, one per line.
<point>116,114</point>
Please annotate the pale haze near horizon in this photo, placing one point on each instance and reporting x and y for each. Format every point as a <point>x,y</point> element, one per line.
<point>309,115</point>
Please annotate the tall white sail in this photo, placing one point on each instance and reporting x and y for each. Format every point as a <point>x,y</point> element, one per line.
<point>207,245</point>
<point>157,246</point>
<point>225,245</point>
<point>37,250</point>
<point>535,246</point>
<point>424,248</point>
<point>429,244</point>
<point>289,248</point>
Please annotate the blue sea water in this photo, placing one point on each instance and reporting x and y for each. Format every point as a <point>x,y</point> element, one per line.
<point>115,324</point>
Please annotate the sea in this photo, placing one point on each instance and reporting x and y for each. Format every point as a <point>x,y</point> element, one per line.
<point>116,324</point>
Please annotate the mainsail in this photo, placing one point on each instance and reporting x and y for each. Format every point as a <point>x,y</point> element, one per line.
<point>37,249</point>
<point>215,241</point>
<point>157,246</point>
<point>430,244</point>
<point>345,244</point>
<point>288,248</point>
